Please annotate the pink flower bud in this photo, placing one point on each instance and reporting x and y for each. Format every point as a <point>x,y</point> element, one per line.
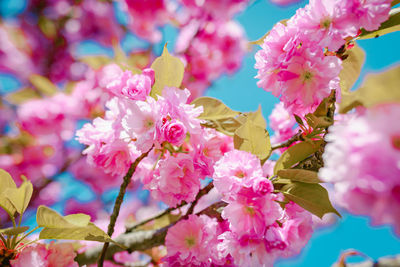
<point>174,132</point>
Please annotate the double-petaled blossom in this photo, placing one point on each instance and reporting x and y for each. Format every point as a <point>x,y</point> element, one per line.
<point>193,242</point>
<point>362,159</point>
<point>235,170</point>
<point>296,69</point>
<point>132,86</point>
<point>175,180</point>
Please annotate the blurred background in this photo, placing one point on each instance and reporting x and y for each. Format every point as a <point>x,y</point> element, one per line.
<point>56,41</point>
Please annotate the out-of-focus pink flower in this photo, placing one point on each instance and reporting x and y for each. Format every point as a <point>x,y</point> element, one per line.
<point>53,255</point>
<point>98,180</point>
<point>49,116</point>
<point>73,206</point>
<point>193,241</point>
<point>284,2</point>
<point>297,226</point>
<point>362,159</point>
<point>214,9</point>
<point>147,16</point>
<point>210,50</point>
<point>234,170</point>
<point>132,86</point>
<point>175,180</point>
<point>36,161</point>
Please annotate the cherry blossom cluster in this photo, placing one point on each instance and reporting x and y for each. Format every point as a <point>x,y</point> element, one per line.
<point>357,144</point>
<point>184,152</point>
<point>296,62</point>
<point>41,40</point>
<point>255,230</point>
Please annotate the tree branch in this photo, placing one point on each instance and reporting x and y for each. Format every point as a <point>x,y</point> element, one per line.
<point>118,202</point>
<point>141,240</point>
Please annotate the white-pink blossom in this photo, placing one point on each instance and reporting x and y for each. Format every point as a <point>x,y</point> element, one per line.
<point>362,159</point>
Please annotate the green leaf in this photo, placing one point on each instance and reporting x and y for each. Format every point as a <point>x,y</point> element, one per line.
<point>6,182</point>
<point>376,89</point>
<point>213,109</point>
<point>300,175</point>
<point>311,197</point>
<point>22,96</point>
<point>78,219</point>
<point>168,72</point>
<point>44,85</point>
<point>96,62</point>
<point>391,25</point>
<point>318,122</point>
<point>49,218</point>
<point>90,233</point>
<point>70,227</point>
<point>20,197</point>
<point>257,118</point>
<point>14,230</point>
<point>298,120</point>
<point>295,154</point>
<point>254,139</point>
<point>351,68</point>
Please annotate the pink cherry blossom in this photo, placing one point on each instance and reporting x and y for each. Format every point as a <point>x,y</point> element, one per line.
<point>193,241</point>
<point>172,131</point>
<point>132,86</point>
<point>175,180</point>
<point>140,122</point>
<point>295,69</point>
<point>362,159</point>
<point>234,170</point>
<point>251,212</point>
<point>53,255</point>
<point>246,250</point>
<point>327,22</point>
<point>210,50</point>
<point>49,116</point>
<point>214,9</point>
<point>147,16</point>
<point>370,13</point>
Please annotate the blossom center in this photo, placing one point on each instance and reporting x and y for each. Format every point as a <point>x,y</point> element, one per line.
<point>307,76</point>
<point>249,210</point>
<point>240,174</point>
<point>325,23</point>
<point>149,123</point>
<point>190,241</point>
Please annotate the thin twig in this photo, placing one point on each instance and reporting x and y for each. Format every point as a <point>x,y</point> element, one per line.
<point>165,212</point>
<point>118,202</point>
<point>295,138</point>
<point>201,193</point>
